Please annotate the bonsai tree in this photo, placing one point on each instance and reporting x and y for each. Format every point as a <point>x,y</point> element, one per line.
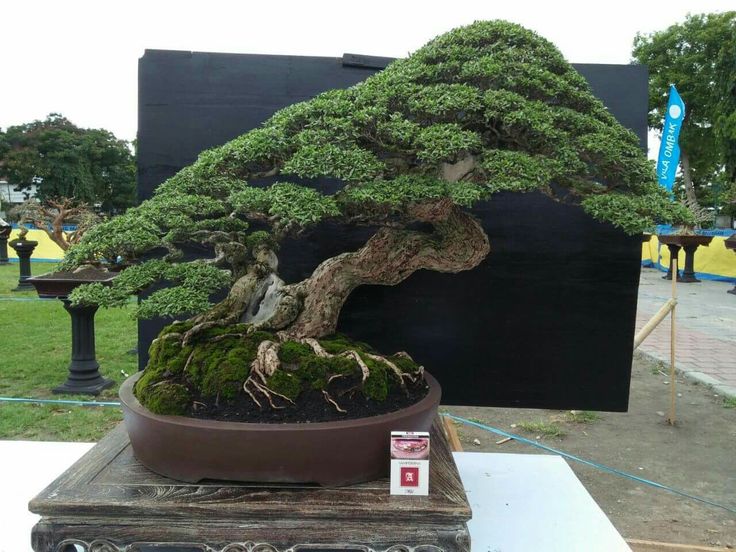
<point>486,108</point>
<point>53,214</point>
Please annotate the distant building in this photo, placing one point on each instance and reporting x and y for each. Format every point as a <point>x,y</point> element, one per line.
<point>12,194</point>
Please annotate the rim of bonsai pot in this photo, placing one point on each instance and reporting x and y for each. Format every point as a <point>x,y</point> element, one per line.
<point>704,240</point>
<point>47,277</point>
<point>51,286</point>
<point>131,402</point>
<point>21,241</point>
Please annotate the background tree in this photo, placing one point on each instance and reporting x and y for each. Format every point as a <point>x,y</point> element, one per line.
<point>88,165</point>
<point>699,57</point>
<point>53,215</point>
<point>483,109</point>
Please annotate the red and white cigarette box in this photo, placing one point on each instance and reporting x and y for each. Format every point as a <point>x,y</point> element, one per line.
<point>410,463</point>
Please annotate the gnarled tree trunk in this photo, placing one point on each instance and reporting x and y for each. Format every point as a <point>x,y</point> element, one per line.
<point>310,308</point>
<point>456,243</point>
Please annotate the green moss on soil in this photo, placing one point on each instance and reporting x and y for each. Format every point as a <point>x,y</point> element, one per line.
<point>338,343</point>
<point>376,387</point>
<point>165,398</point>
<point>292,352</point>
<point>406,365</point>
<point>218,362</point>
<point>315,371</point>
<point>176,327</point>
<point>285,383</point>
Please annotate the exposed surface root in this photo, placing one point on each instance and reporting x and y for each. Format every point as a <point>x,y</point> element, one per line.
<point>267,359</point>
<point>320,352</point>
<point>413,377</point>
<point>250,394</point>
<point>334,377</point>
<point>197,329</point>
<point>188,362</point>
<point>316,347</point>
<point>363,366</point>
<point>395,369</point>
<point>265,364</point>
<point>268,393</point>
<point>224,336</point>
<point>333,403</point>
<point>400,376</point>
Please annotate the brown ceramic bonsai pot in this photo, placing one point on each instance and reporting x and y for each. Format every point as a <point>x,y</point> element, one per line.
<point>328,453</point>
<point>684,240</point>
<point>58,285</point>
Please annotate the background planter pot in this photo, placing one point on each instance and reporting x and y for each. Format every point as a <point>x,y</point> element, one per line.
<point>328,453</point>
<point>84,372</point>
<point>24,249</point>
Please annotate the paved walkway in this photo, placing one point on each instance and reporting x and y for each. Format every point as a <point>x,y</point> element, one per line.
<point>706,329</point>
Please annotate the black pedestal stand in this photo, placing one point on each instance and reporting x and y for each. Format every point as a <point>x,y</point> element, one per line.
<point>690,243</point>
<point>84,372</point>
<point>5,230</point>
<point>674,252</point>
<point>688,273</point>
<point>24,249</point>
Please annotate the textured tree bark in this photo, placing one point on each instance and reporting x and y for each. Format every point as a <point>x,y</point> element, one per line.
<point>457,242</point>
<point>244,296</point>
<point>310,308</point>
<point>688,179</point>
<point>64,212</point>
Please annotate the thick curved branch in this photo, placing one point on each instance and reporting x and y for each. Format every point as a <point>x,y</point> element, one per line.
<point>310,308</point>
<point>457,243</point>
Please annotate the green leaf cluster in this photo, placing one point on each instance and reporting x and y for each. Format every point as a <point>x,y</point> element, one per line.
<point>492,98</point>
<point>194,283</point>
<point>87,165</point>
<point>699,57</point>
<point>285,201</point>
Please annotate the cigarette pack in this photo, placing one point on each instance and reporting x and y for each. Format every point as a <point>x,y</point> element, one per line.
<point>410,463</point>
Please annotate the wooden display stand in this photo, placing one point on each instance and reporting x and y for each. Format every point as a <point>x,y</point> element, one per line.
<point>108,502</point>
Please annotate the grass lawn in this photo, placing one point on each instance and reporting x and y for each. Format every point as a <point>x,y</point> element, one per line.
<point>35,351</point>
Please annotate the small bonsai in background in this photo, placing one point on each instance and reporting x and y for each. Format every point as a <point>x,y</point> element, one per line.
<point>699,216</point>
<point>486,108</point>
<point>53,215</point>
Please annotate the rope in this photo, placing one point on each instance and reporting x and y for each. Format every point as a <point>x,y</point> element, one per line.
<point>58,401</point>
<point>591,463</point>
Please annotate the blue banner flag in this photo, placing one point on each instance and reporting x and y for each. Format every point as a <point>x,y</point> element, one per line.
<point>669,150</point>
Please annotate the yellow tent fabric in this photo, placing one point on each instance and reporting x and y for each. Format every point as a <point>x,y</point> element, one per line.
<point>46,250</point>
<point>714,260</point>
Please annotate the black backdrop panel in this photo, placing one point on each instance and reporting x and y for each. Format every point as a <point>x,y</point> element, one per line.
<point>547,320</point>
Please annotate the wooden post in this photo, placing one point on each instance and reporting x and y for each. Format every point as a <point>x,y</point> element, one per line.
<point>654,322</point>
<point>452,436</point>
<point>671,417</point>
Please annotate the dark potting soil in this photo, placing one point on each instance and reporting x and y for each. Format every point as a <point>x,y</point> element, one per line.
<point>310,407</point>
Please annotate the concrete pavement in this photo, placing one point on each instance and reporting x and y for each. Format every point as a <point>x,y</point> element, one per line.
<point>705,326</point>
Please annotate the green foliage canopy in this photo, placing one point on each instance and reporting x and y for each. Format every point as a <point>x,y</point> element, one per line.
<point>486,108</point>
<point>699,57</point>
<point>88,165</point>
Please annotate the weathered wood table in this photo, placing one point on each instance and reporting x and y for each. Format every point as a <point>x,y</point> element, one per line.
<point>108,502</point>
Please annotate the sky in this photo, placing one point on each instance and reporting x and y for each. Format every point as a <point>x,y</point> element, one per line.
<point>79,58</point>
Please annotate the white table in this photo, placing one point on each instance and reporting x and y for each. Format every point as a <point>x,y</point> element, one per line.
<point>520,502</point>
<point>531,502</point>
